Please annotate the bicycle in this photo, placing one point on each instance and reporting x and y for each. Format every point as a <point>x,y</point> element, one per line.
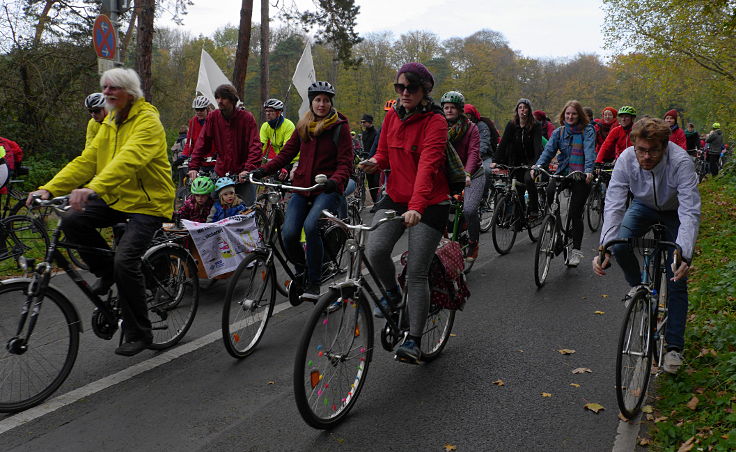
<point>40,350</point>
<point>251,293</point>
<point>496,187</point>
<point>642,337</point>
<point>510,215</point>
<point>458,229</point>
<point>554,238</point>
<point>596,201</point>
<point>336,346</point>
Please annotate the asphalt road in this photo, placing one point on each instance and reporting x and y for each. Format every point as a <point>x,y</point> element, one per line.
<point>509,331</point>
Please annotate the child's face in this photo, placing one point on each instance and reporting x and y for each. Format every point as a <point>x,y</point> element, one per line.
<point>201,199</point>
<point>227,196</point>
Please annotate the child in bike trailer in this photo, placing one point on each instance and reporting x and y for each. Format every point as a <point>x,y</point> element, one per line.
<point>228,203</point>
<point>198,205</point>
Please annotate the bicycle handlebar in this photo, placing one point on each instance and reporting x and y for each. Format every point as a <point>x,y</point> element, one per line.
<point>641,243</point>
<point>60,203</point>
<point>390,216</point>
<point>321,179</point>
<point>557,176</point>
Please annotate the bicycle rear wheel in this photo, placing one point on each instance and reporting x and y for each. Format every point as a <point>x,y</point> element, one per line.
<point>249,302</point>
<point>545,250</point>
<point>28,378</point>
<point>172,294</point>
<point>24,236</point>
<point>332,360</point>
<point>503,224</point>
<point>486,210</point>
<point>436,331</point>
<point>594,207</point>
<point>634,358</point>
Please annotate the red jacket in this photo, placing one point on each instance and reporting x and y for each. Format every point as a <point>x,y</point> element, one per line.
<point>678,137</point>
<point>468,148</point>
<point>601,133</point>
<point>616,141</point>
<point>414,149</point>
<point>237,142</point>
<point>193,132</point>
<point>13,152</point>
<point>318,156</point>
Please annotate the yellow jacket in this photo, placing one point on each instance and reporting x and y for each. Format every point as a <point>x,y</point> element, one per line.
<point>126,164</point>
<point>92,128</point>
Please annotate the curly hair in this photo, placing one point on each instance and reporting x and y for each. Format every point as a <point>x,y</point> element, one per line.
<point>651,129</point>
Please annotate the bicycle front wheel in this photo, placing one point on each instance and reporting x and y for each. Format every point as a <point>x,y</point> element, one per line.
<point>545,250</point>
<point>634,358</point>
<point>332,360</point>
<point>594,208</point>
<point>504,224</point>
<point>28,377</point>
<point>249,302</point>
<point>172,294</point>
<point>486,210</point>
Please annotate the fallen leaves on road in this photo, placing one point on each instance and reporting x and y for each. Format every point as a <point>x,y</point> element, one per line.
<point>566,351</point>
<point>453,335</point>
<point>499,382</point>
<point>546,394</point>
<point>599,312</point>
<point>660,419</point>
<point>693,403</point>
<point>271,382</point>
<point>647,409</point>
<point>687,445</point>
<point>622,417</point>
<point>582,370</point>
<point>450,447</point>
<point>594,407</point>
<point>574,385</point>
<point>604,295</point>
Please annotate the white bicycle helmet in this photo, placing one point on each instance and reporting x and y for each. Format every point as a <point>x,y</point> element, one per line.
<point>94,100</point>
<point>274,103</point>
<point>200,102</point>
<point>4,173</point>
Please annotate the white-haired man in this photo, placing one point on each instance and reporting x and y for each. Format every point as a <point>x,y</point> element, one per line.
<point>127,167</point>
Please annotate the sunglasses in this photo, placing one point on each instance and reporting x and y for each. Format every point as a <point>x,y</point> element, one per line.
<point>400,87</point>
<point>94,111</point>
<point>200,109</point>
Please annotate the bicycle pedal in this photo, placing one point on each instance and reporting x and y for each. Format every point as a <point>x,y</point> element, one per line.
<point>407,360</point>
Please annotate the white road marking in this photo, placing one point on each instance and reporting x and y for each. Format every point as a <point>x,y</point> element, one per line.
<point>89,389</point>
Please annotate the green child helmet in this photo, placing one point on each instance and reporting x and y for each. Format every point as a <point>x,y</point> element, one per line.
<point>202,186</point>
<point>627,110</point>
<point>716,125</point>
<point>453,97</point>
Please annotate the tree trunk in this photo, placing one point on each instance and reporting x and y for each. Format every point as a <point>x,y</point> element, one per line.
<point>265,47</point>
<point>41,25</point>
<point>145,44</point>
<point>125,42</point>
<point>241,55</point>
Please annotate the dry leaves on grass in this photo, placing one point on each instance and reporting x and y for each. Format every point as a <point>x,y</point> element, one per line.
<point>647,409</point>
<point>693,403</point>
<point>645,442</point>
<point>582,370</point>
<point>688,445</point>
<point>594,407</point>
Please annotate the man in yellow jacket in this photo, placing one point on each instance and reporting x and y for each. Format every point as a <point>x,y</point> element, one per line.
<point>127,167</point>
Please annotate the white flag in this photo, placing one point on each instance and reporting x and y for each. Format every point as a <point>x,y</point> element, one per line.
<point>304,76</point>
<point>210,77</point>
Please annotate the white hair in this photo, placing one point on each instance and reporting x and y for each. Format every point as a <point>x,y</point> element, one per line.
<point>127,79</point>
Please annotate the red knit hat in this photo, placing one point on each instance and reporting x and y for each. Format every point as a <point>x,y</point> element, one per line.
<point>672,113</point>
<point>472,111</point>
<point>612,110</point>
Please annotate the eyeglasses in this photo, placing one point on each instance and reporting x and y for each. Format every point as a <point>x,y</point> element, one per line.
<point>650,152</point>
<point>94,111</point>
<point>200,109</point>
<point>400,87</point>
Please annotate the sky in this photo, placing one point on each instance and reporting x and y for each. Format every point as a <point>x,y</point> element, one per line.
<point>535,28</point>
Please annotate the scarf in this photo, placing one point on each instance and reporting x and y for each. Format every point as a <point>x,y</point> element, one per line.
<point>457,129</point>
<point>424,106</point>
<point>275,123</point>
<point>577,155</point>
<point>605,127</point>
<point>674,127</point>
<point>317,127</point>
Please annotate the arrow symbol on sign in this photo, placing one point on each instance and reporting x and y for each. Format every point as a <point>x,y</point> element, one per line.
<point>105,52</point>
<point>103,26</point>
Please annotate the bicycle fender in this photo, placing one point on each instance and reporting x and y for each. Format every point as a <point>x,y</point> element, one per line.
<point>164,245</point>
<point>49,288</point>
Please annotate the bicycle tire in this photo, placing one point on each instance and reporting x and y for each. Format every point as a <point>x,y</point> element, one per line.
<point>172,294</point>
<point>262,223</point>
<point>594,208</point>
<point>632,374</point>
<point>57,352</point>
<point>24,236</point>
<point>662,313</point>
<point>437,331</point>
<point>332,359</point>
<point>486,210</point>
<point>502,225</point>
<point>247,290</point>
<point>545,250</point>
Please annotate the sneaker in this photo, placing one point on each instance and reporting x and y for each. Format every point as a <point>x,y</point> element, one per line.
<point>630,296</point>
<point>672,361</point>
<point>131,348</point>
<point>472,252</point>
<point>311,293</point>
<point>575,257</point>
<point>409,352</point>
<point>387,305</point>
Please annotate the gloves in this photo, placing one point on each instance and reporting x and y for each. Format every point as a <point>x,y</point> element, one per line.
<point>179,161</point>
<point>330,186</point>
<point>258,173</point>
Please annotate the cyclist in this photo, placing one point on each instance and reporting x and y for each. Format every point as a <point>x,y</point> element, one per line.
<point>412,144</point>
<point>521,144</point>
<point>661,177</point>
<point>228,203</point>
<point>677,135</point>
<point>464,136</point>
<point>714,142</point>
<point>95,104</point>
<point>547,126</point>
<point>323,140</point>
<point>233,132</point>
<point>692,139</point>
<point>369,138</point>
<point>607,122</point>
<point>575,141</point>
<point>127,167</point>
<point>201,106</point>
<point>275,132</point>
<point>197,206</point>
<point>618,139</point>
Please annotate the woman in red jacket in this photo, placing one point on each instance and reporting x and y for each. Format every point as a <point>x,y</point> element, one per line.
<point>412,144</point>
<point>677,135</point>
<point>608,122</point>
<point>323,150</point>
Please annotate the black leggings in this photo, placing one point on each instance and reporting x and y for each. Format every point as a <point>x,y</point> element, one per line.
<point>580,191</point>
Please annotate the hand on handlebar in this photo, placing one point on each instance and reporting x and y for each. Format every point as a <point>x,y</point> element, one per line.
<point>257,174</point>
<point>370,166</point>
<point>43,194</point>
<point>192,174</point>
<point>681,271</point>
<point>411,218</point>
<point>78,198</point>
<point>330,186</point>
<point>598,267</point>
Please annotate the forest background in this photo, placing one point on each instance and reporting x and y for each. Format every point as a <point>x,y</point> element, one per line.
<point>664,54</point>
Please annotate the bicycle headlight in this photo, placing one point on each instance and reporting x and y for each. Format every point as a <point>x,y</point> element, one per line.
<point>273,197</point>
<point>351,245</point>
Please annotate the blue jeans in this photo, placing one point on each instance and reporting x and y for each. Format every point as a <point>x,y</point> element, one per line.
<point>342,210</point>
<point>303,212</point>
<point>636,222</point>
